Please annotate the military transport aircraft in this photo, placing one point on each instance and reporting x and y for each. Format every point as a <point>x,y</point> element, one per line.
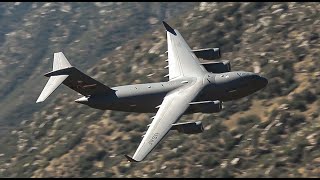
<point>193,87</point>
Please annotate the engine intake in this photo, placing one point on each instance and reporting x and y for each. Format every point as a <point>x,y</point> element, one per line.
<point>188,127</point>
<point>217,67</point>
<point>208,54</point>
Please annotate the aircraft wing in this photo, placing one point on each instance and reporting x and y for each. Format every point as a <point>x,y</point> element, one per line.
<point>171,109</point>
<point>182,61</point>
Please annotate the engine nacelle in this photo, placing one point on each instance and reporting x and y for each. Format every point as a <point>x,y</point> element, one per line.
<point>188,127</point>
<point>217,67</point>
<point>208,54</point>
<point>205,107</point>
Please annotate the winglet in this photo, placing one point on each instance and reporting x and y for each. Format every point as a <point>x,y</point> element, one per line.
<point>168,28</point>
<point>130,158</point>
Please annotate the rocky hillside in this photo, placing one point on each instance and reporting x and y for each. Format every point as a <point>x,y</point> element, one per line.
<point>273,133</point>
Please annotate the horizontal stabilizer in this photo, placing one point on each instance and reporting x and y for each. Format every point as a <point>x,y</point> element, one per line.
<point>51,85</point>
<point>70,76</point>
<point>60,61</point>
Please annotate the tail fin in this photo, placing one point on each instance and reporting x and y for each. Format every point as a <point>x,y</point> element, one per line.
<point>70,76</point>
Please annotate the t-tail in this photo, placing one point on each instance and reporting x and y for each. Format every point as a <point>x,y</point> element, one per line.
<point>63,72</point>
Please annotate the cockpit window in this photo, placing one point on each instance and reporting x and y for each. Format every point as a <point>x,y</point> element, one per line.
<point>242,74</point>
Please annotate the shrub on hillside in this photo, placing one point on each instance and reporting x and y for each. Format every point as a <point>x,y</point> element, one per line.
<point>249,120</point>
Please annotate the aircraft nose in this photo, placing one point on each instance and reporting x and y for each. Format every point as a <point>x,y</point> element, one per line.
<point>261,81</point>
<point>264,81</point>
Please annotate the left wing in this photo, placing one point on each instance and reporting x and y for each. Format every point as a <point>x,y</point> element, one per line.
<point>182,61</point>
<point>171,109</point>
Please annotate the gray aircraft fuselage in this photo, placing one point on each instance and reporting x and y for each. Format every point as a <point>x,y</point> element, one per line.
<point>144,98</point>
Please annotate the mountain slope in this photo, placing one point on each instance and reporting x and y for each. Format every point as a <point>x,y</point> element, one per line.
<point>273,133</point>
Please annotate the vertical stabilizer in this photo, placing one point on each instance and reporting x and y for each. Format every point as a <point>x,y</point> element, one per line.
<point>63,73</point>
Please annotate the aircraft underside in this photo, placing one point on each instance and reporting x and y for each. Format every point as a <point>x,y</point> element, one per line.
<point>150,103</point>
<point>193,87</point>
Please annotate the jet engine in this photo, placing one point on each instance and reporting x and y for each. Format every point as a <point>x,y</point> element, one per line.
<point>188,127</point>
<point>208,54</point>
<point>217,67</point>
<point>205,107</point>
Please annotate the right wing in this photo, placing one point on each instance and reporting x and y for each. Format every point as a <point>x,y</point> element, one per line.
<point>182,60</point>
<point>171,109</point>
<point>182,63</point>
